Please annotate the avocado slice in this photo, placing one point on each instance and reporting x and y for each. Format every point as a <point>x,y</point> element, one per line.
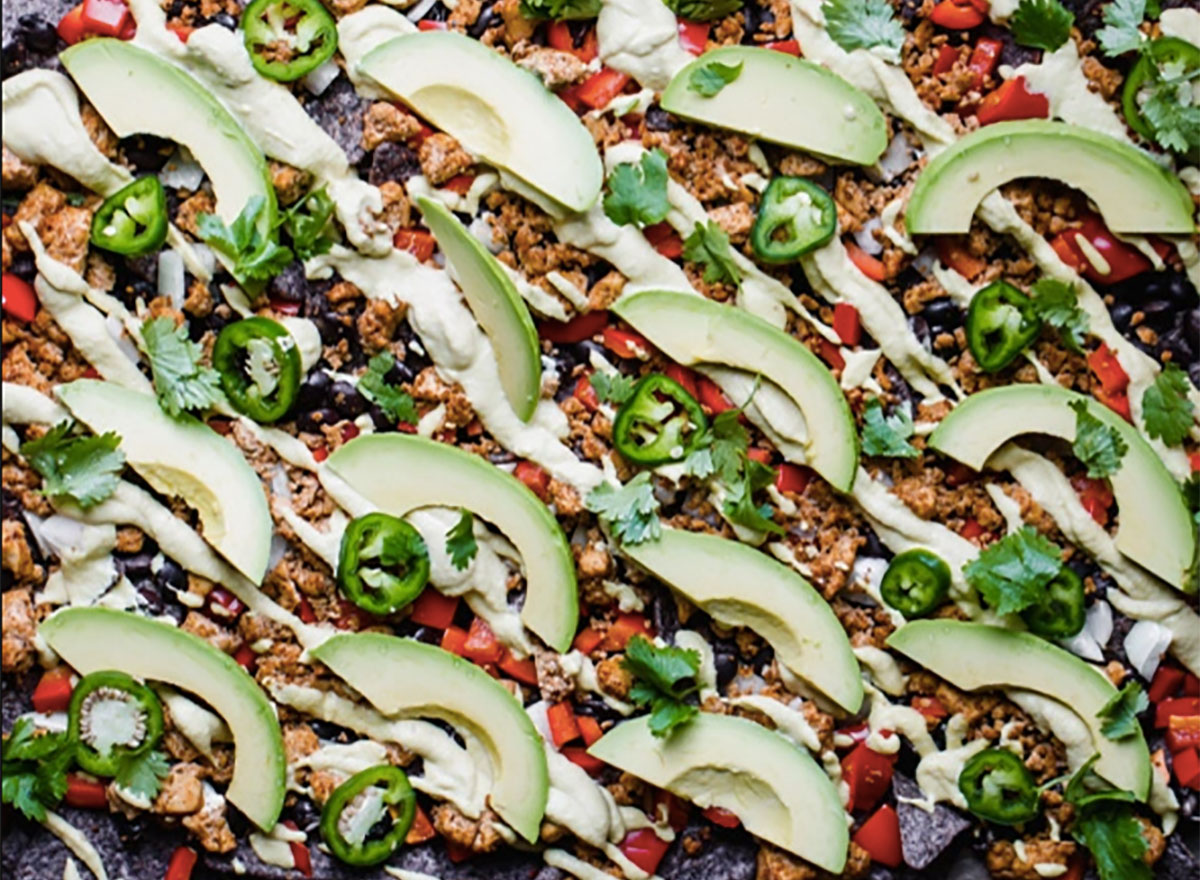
<point>770,783</point>
<point>975,656</point>
<point>184,457</point>
<point>499,112</point>
<point>1155,529</point>
<point>693,330</point>
<point>404,676</point>
<point>785,100</point>
<point>398,473</point>
<point>1132,191</point>
<point>92,639</point>
<point>739,586</point>
<point>139,93</point>
<point>496,304</point>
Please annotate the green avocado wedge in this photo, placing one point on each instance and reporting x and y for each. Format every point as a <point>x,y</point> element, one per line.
<point>497,111</point>
<point>399,473</point>
<point>771,784</point>
<point>139,93</point>
<point>94,639</point>
<point>740,586</point>
<point>784,100</point>
<point>496,304</point>
<point>693,330</point>
<point>184,457</point>
<point>1155,529</point>
<point>410,678</point>
<point>974,656</point>
<point>1132,191</point>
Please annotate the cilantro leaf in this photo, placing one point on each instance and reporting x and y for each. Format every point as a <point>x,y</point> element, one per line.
<point>1013,573</point>
<point>863,24</point>
<point>703,10</point>
<point>1041,24</point>
<point>1097,444</point>
<point>392,399</point>
<point>612,387</point>
<point>709,79</point>
<point>631,511</point>
<point>34,769</point>
<point>739,504</point>
<point>83,469</point>
<point>256,258</point>
<point>460,541</point>
<point>637,194</point>
<point>1113,834</point>
<point>1172,113</point>
<point>1166,407</point>
<point>708,244</point>
<point>1120,33</point>
<point>887,435</point>
<point>1057,304</point>
<point>307,222</point>
<point>1120,713</point>
<point>1085,787</point>
<point>559,10</point>
<point>142,775</point>
<point>663,679</point>
<point>180,382</point>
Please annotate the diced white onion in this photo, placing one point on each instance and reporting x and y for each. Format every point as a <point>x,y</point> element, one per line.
<point>171,283</point>
<point>418,11</point>
<point>925,263</point>
<point>896,158</point>
<point>319,79</point>
<point>1145,645</point>
<point>181,171</point>
<point>57,533</point>
<point>278,548</point>
<point>1100,621</point>
<point>206,257</point>
<point>866,240</point>
<point>1084,645</point>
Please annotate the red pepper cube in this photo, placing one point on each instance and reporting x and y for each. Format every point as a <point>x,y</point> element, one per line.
<point>1187,768</point>
<point>433,609</point>
<point>579,755</point>
<point>108,18</point>
<point>183,860</point>
<point>956,15</point>
<point>847,324</point>
<point>1104,364</point>
<point>880,837</point>
<point>787,47</point>
<point>693,35</point>
<point>930,707</point>
<point>19,300</point>
<point>723,817</point>
<point>984,58</point>
<point>587,641</point>
<point>53,691</point>
<point>1191,685</point>
<point>864,262</point>
<point>868,774</point>
<point>417,242</point>
<point>586,394</point>
<point>711,397</point>
<point>946,58</point>
<point>644,848</point>
<point>625,343</point>
<point>1183,732</point>
<point>454,639</point>
<point>665,240</point>
<point>85,793</point>
<point>577,329</point>
<point>481,645</point>
<point>246,658</point>
<point>1166,683</point>
<point>524,671</point>
<point>831,354</point>
<point>601,87</point>
<point>625,627</point>
<point>589,727</point>
<point>1182,706</point>
<point>793,478</point>
<point>300,854</point>
<point>953,252</point>
<point>685,377</point>
<point>563,726</point>
<point>672,808</point>
<point>421,829</point>
<point>1012,101</point>
<point>70,27</point>
<point>536,479</point>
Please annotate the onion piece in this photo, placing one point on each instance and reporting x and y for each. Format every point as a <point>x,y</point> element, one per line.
<point>1100,621</point>
<point>866,240</point>
<point>181,171</point>
<point>418,11</point>
<point>320,78</point>
<point>1145,645</point>
<point>171,282</point>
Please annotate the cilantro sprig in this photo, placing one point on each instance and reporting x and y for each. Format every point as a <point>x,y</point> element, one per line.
<point>142,775</point>
<point>663,680</point>
<point>34,769</point>
<point>1166,407</point>
<point>1097,444</point>
<point>308,224</point>
<point>631,511</point>
<point>460,541</point>
<point>863,24</point>
<point>637,194</point>
<point>1120,713</point>
<point>887,435</point>
<point>392,399</point>
<point>181,382</point>
<point>559,10</point>
<point>703,10</point>
<point>612,387</point>
<point>1013,573</point>
<point>1057,303</point>
<point>1122,20</point>
<point>709,245</point>
<point>1041,24</point>
<point>256,258</point>
<point>85,470</point>
<point>708,79</point>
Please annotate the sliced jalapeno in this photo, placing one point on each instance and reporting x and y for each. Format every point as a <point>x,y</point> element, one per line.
<point>1155,55</point>
<point>1061,614</point>
<point>133,220</point>
<point>350,817</point>
<point>916,582</point>
<point>288,38</point>
<point>1001,322</point>
<point>383,564</point>
<point>660,422</point>
<point>794,217</point>
<point>999,788</point>
<point>259,366</point>
<point>112,716</point>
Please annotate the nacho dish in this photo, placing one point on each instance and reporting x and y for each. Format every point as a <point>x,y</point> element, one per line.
<point>601,439</point>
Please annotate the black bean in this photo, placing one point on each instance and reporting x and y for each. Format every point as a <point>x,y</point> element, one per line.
<point>393,161</point>
<point>306,814</point>
<point>1177,342</point>
<point>942,316</point>
<point>727,665</point>
<point>151,597</point>
<point>313,421</point>
<point>658,119</point>
<point>665,614</point>
<point>15,58</point>
<point>921,328</point>
<point>400,372</point>
<point>38,34</point>
<point>225,20</point>
<point>146,152</point>
<point>172,574</point>
<point>486,19</point>
<point>136,566</point>
<point>1121,313</point>
<point>381,420</point>
<point>290,284</point>
<point>346,400</point>
<point>314,390</point>
<point>1159,313</point>
<point>874,547</point>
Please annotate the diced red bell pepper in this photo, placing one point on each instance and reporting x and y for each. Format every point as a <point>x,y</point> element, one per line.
<point>563,726</point>
<point>1179,706</point>
<point>693,35</point>
<point>665,240</point>
<point>524,671</point>
<point>952,251</point>
<point>946,58</point>
<point>587,641</point>
<point>1118,403</point>
<point>459,183</point>
<point>831,354</point>
<point>1187,768</point>
<point>762,456</point>
<point>454,640</point>
<point>1104,364</point>
<point>1011,101</point>
<point>421,828</point>
<point>481,645</point>
<point>625,343</point>
<point>1191,685</point>
<point>880,837</point>
<point>984,58</point>
<point>457,852</point>
<point>1183,732</point>
<point>625,627</point>
<point>182,31</point>
<point>86,794</point>
<point>577,329</point>
<point>586,394</point>
<point>534,477</point>
<point>792,478</point>
<point>300,853</point>
<point>246,658</point>
<point>128,30</point>
<point>417,242</point>
<point>105,17</point>
<point>930,707</point>
<point>183,860</point>
<point>19,300</point>
<point>349,432</point>
<point>319,455</point>
<point>53,691</point>
<point>957,16</point>
<point>685,377</point>
<point>865,263</point>
<point>972,530</point>
<point>788,47</point>
<point>601,87</point>
<point>558,36</point>
<point>644,848</point>
<point>1121,260</point>
<point>1166,683</point>
<point>579,755</point>
<point>674,809</point>
<point>723,817</point>
<point>868,774</point>
<point>1095,495</point>
<point>70,27</point>
<point>847,324</point>
<point>711,397</point>
<point>223,604</point>
<point>433,609</point>
<point>426,24</point>
<point>958,474</point>
<point>1194,462</point>
<point>589,727</point>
